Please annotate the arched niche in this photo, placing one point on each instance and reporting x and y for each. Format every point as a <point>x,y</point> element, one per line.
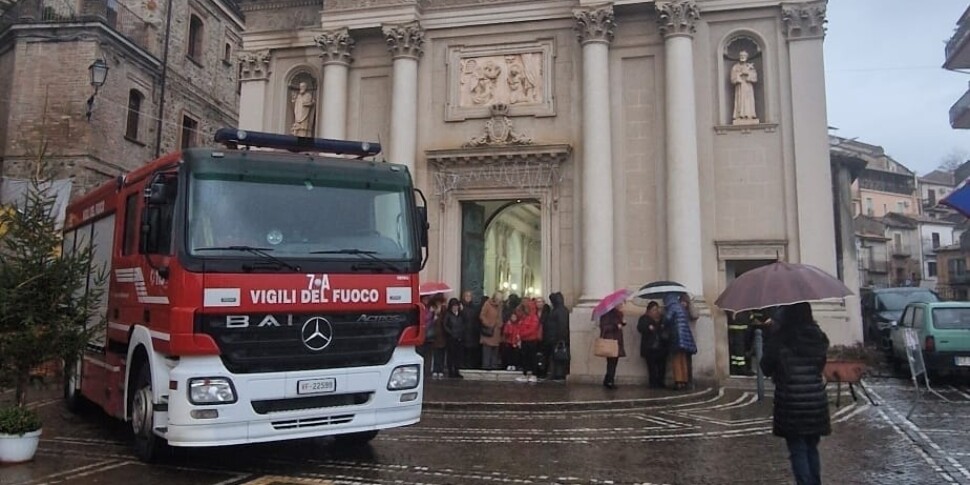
<point>301,102</point>
<point>743,79</point>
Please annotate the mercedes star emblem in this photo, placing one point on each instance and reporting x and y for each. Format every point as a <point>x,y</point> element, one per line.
<point>317,333</point>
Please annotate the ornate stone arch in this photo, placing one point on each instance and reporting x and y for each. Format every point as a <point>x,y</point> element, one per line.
<point>728,54</point>
<point>291,87</point>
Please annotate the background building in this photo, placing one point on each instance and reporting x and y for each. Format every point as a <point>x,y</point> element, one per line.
<point>885,185</point>
<point>958,58</point>
<point>171,81</point>
<point>933,187</point>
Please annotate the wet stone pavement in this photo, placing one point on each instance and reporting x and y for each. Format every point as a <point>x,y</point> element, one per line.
<point>499,433</point>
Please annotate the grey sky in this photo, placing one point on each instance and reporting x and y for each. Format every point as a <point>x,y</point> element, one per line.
<point>884,80</point>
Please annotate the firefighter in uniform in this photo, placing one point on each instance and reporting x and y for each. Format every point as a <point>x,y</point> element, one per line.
<point>741,339</point>
<point>737,339</point>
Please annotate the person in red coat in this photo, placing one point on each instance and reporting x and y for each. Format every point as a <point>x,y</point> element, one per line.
<point>530,333</point>
<point>611,327</point>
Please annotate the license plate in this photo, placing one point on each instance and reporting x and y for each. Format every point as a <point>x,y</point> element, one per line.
<point>316,386</point>
<point>962,361</point>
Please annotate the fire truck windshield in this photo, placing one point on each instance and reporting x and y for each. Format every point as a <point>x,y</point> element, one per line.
<point>299,209</point>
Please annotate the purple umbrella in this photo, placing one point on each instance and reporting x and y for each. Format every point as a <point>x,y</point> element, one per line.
<point>610,302</point>
<point>780,283</point>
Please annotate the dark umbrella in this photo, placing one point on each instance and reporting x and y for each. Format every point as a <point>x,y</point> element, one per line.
<point>780,283</point>
<point>656,291</point>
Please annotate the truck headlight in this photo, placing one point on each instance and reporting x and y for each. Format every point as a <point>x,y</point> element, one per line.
<point>404,377</point>
<point>211,390</point>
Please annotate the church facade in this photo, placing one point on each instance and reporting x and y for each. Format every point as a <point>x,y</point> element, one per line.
<point>576,146</point>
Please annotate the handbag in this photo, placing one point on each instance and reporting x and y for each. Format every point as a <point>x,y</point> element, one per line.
<point>606,347</point>
<point>561,352</point>
<point>488,331</point>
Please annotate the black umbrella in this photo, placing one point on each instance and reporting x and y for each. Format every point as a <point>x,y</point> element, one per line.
<point>656,291</point>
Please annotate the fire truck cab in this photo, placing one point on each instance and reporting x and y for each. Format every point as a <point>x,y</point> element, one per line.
<point>255,295</point>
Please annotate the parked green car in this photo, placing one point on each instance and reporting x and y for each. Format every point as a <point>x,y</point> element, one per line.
<point>944,333</point>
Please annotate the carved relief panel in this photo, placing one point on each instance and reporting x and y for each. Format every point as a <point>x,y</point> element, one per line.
<point>516,75</point>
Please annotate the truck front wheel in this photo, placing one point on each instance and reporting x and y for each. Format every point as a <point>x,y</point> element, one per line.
<point>147,444</point>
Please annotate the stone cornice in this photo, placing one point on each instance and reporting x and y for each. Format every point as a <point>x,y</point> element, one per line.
<point>254,65</point>
<point>461,157</point>
<point>404,40</point>
<point>804,20</point>
<point>338,5</point>
<point>595,24</point>
<point>337,46</point>
<point>278,4</point>
<point>677,17</point>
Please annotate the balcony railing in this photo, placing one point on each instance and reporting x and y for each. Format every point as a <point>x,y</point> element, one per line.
<point>901,249</point>
<point>877,266</point>
<point>960,279</point>
<point>954,45</point>
<point>960,112</point>
<point>113,14</point>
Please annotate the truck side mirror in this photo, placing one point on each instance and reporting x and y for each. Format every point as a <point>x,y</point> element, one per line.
<point>151,217</point>
<point>423,225</point>
<point>160,193</point>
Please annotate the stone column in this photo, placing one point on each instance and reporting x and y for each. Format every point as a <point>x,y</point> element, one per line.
<point>253,76</point>
<point>684,255</point>
<point>406,44</point>
<point>595,27</point>
<point>805,29</point>
<point>338,47</point>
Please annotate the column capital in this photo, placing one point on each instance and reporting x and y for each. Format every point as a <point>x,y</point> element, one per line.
<point>337,46</point>
<point>254,66</point>
<point>677,17</point>
<point>804,20</point>
<point>595,24</point>
<point>404,40</point>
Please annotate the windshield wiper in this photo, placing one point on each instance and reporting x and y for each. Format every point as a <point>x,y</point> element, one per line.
<point>362,252</point>
<point>261,252</point>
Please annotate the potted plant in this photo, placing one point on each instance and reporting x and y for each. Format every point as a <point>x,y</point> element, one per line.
<point>848,363</point>
<point>47,305</point>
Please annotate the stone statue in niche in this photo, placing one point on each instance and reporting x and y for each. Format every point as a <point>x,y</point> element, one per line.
<point>744,76</point>
<point>303,110</point>
<point>509,79</point>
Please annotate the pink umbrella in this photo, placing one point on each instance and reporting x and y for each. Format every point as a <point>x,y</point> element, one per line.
<point>432,287</point>
<point>610,302</point>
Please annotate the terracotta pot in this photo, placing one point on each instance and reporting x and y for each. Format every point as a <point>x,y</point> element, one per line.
<point>844,370</point>
<point>18,448</point>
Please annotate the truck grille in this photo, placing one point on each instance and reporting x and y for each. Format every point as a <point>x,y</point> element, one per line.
<point>313,422</point>
<point>316,402</point>
<point>256,343</point>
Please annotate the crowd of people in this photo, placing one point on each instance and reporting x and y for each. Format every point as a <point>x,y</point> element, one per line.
<point>533,336</point>
<point>665,336</point>
<point>516,334</point>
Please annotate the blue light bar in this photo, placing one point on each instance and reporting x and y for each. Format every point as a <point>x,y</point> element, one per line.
<point>233,138</point>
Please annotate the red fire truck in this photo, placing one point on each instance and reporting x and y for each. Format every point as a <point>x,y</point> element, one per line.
<point>255,295</point>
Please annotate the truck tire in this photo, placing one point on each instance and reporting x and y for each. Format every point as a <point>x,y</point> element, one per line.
<point>73,399</point>
<point>147,445</point>
<point>356,439</point>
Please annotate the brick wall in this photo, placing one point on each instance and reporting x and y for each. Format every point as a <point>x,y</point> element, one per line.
<point>54,66</point>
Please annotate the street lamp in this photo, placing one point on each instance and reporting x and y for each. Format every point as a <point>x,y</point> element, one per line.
<point>99,73</point>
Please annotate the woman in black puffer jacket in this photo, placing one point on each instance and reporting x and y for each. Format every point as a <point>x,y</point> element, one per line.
<point>794,358</point>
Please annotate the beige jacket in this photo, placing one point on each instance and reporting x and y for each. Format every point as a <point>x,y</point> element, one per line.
<point>491,317</point>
